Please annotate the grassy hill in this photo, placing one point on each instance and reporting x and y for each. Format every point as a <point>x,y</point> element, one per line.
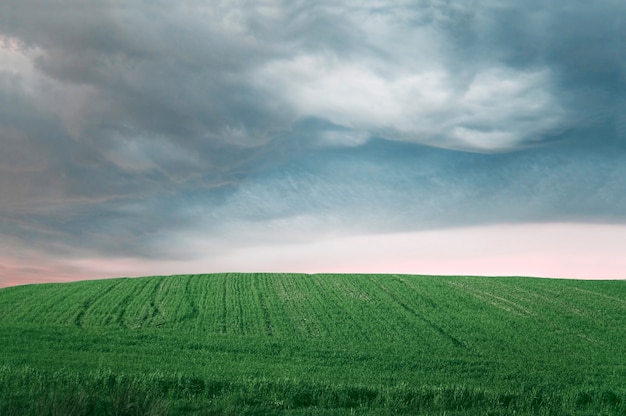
<point>321,344</point>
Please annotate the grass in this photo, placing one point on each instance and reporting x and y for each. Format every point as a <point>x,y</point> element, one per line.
<point>314,344</point>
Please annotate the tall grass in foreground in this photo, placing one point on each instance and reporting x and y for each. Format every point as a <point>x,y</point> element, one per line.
<point>27,391</point>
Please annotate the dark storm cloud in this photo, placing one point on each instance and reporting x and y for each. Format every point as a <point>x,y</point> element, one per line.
<point>122,124</point>
<point>584,45</point>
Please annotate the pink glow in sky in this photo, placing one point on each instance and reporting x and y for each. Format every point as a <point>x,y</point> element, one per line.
<point>582,251</point>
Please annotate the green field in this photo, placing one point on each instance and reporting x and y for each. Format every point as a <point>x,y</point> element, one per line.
<point>314,344</point>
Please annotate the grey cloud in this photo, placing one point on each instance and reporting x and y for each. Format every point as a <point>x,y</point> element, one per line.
<point>180,74</point>
<point>583,44</point>
<point>122,124</point>
<point>240,73</point>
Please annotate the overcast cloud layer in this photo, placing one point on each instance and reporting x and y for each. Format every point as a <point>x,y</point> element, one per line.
<point>130,129</point>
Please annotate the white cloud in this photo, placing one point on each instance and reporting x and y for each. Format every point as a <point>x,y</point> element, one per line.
<point>14,59</point>
<point>498,108</point>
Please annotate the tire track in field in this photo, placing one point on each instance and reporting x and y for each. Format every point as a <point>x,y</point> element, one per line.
<point>189,298</point>
<point>241,289</point>
<point>323,319</point>
<point>303,303</point>
<point>153,310</point>
<point>90,301</point>
<point>78,321</point>
<point>291,293</point>
<point>224,314</point>
<point>621,302</point>
<point>267,320</point>
<point>348,302</point>
<point>550,299</point>
<point>139,304</point>
<point>493,299</point>
<point>412,311</point>
<point>159,307</point>
<point>122,307</point>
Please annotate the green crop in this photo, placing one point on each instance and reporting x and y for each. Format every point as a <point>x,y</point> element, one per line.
<point>314,344</point>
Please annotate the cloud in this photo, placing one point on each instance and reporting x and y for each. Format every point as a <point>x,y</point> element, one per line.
<point>423,72</point>
<point>122,125</point>
<point>467,76</point>
<point>497,109</point>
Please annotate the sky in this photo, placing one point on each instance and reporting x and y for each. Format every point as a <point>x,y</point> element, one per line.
<point>482,137</point>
